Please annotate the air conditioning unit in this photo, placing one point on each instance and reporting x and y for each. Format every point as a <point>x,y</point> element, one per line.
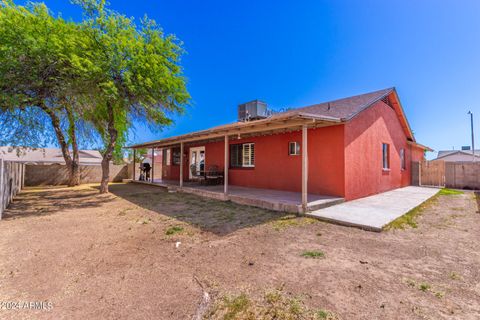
<point>253,110</point>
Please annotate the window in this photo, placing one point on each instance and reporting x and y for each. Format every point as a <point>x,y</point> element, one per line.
<point>386,156</point>
<point>293,148</point>
<point>402,159</point>
<point>176,156</point>
<point>242,155</point>
<point>249,155</point>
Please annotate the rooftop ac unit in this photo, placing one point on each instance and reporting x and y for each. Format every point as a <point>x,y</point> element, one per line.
<point>253,110</point>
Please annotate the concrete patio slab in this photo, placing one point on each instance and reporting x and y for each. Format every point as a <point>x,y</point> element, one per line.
<point>277,200</point>
<point>375,212</point>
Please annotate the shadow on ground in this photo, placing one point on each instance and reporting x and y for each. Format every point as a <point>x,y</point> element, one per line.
<point>209,215</point>
<point>50,200</point>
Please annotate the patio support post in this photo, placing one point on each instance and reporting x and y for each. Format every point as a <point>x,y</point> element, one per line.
<point>304,168</point>
<point>225,169</point>
<point>181,164</point>
<point>134,155</point>
<point>153,165</point>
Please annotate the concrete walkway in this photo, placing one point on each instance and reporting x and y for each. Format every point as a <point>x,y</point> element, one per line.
<point>374,212</point>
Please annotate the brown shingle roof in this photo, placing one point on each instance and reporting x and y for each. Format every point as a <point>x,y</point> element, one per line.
<point>345,108</point>
<point>336,111</point>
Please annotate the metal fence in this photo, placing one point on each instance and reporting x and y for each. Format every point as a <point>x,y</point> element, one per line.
<point>11,182</point>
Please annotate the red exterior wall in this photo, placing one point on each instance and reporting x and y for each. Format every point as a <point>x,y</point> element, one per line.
<point>418,154</point>
<point>276,169</point>
<point>344,160</point>
<point>364,135</point>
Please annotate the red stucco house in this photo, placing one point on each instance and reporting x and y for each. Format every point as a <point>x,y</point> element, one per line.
<point>351,148</point>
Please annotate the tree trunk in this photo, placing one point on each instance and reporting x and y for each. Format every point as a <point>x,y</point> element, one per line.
<point>105,175</point>
<point>74,170</point>
<point>108,153</point>
<point>74,174</point>
<point>61,141</point>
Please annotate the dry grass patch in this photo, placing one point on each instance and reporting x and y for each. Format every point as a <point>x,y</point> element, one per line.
<point>292,221</point>
<point>274,305</point>
<point>174,230</point>
<point>410,218</point>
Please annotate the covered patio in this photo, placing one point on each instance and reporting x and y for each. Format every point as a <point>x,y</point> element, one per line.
<point>279,200</point>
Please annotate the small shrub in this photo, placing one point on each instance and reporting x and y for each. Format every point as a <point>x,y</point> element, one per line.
<point>424,287</point>
<point>173,230</point>
<point>325,315</point>
<point>313,254</point>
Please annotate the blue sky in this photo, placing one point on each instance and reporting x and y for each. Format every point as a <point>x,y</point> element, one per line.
<point>296,53</point>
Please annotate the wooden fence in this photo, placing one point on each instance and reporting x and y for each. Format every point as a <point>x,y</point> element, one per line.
<point>432,173</point>
<point>11,182</point>
<point>437,173</point>
<point>462,175</point>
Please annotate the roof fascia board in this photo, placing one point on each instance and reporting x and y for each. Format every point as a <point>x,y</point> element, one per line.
<point>248,128</point>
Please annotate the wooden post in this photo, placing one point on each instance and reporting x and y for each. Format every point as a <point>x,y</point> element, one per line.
<point>420,173</point>
<point>304,168</point>
<point>134,155</point>
<point>181,164</point>
<point>24,167</point>
<point>153,165</point>
<point>225,170</point>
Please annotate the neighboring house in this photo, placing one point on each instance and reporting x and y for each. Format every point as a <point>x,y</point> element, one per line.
<point>39,156</point>
<point>457,155</point>
<point>352,148</point>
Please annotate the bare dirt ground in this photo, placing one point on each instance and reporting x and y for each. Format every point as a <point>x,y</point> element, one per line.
<point>117,256</point>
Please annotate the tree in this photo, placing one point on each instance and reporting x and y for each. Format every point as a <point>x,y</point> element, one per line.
<point>44,66</point>
<point>141,78</point>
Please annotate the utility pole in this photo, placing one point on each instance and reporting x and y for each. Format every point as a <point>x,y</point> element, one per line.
<point>473,139</point>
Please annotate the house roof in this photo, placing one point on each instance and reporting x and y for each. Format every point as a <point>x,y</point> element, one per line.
<point>46,155</point>
<point>445,153</point>
<point>346,108</point>
<point>322,114</point>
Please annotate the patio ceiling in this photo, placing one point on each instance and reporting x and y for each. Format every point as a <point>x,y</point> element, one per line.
<point>289,122</point>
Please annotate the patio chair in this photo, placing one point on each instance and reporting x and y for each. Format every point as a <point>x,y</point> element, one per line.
<point>214,175</point>
<point>196,175</point>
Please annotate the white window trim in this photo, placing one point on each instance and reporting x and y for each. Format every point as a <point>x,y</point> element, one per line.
<point>387,167</point>
<point>295,143</point>
<point>248,155</point>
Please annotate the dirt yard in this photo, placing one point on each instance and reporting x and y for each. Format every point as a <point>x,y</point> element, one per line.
<point>142,253</point>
